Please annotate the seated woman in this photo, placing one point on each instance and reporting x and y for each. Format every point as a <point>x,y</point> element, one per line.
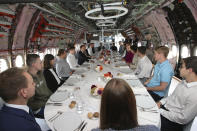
<point>118,109</point>
<point>129,55</point>
<point>51,77</point>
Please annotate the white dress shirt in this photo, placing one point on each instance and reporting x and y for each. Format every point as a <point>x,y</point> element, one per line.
<point>22,107</point>
<point>90,51</point>
<point>182,104</point>
<point>72,61</point>
<point>144,68</point>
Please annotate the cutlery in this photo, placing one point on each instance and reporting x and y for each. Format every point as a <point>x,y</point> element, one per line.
<point>55,116</point>
<point>80,125</point>
<point>55,104</point>
<point>141,95</point>
<point>83,126</point>
<point>148,110</point>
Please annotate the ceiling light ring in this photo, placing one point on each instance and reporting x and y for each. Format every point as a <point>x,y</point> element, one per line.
<point>106,8</point>
<point>105,23</point>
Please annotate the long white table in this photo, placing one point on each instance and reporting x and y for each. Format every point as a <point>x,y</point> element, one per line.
<point>91,104</point>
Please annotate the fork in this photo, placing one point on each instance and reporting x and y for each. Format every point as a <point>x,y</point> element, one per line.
<point>80,125</point>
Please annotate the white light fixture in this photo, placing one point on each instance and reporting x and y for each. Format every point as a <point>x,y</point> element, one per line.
<point>115,8</point>
<point>105,23</point>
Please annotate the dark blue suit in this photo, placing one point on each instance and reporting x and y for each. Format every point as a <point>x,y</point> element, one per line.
<point>13,119</point>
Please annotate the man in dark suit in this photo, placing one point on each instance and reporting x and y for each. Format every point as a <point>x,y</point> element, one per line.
<point>82,57</point>
<point>16,87</point>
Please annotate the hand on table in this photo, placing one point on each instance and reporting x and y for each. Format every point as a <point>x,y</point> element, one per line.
<point>159,104</point>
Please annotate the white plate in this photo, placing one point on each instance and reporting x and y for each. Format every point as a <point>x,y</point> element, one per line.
<point>144,101</point>
<point>68,121</point>
<point>134,83</point>
<point>79,71</point>
<point>71,81</point>
<point>59,96</point>
<point>125,70</point>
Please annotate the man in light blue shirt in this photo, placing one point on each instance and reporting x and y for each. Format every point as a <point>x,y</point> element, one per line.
<point>158,85</point>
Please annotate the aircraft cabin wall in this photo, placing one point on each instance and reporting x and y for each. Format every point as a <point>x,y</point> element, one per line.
<point>33,28</point>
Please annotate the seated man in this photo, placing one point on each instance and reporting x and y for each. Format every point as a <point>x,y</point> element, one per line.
<point>82,55</point>
<point>62,67</point>
<point>71,59</point>
<point>37,102</point>
<point>16,87</point>
<point>144,66</point>
<point>180,108</point>
<point>91,49</point>
<point>158,85</point>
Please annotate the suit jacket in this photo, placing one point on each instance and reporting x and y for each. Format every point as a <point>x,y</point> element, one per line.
<point>13,119</point>
<point>82,58</point>
<point>52,83</point>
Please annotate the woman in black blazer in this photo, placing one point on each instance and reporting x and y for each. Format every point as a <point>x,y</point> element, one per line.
<point>51,77</point>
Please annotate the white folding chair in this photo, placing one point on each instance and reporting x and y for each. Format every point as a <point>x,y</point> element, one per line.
<point>1,102</point>
<point>194,125</point>
<point>174,82</point>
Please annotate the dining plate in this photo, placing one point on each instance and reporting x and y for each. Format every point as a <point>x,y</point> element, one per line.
<point>79,71</point>
<point>59,96</point>
<point>144,101</point>
<point>68,121</point>
<point>125,70</point>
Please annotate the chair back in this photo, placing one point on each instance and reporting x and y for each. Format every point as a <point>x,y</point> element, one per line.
<point>174,82</point>
<point>1,102</point>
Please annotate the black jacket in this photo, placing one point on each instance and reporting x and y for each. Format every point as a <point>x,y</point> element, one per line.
<point>52,83</point>
<point>82,58</point>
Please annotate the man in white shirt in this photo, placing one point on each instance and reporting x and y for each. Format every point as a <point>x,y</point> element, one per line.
<point>62,67</point>
<point>16,87</point>
<point>180,108</point>
<point>90,49</point>
<point>71,59</point>
<point>144,66</point>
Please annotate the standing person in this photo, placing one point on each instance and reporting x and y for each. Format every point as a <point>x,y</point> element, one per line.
<point>42,93</point>
<point>16,88</point>
<point>62,67</point>
<point>121,48</point>
<point>114,48</point>
<point>133,65</point>
<point>71,59</point>
<point>149,52</point>
<point>144,66</point>
<point>158,85</point>
<point>179,108</point>
<point>82,55</point>
<point>118,109</point>
<point>51,77</point>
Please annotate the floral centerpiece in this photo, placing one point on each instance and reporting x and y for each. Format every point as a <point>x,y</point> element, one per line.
<point>108,76</point>
<point>96,90</point>
<point>106,61</point>
<point>99,68</point>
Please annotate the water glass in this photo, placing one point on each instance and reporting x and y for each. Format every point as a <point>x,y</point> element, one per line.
<point>79,107</point>
<point>71,95</point>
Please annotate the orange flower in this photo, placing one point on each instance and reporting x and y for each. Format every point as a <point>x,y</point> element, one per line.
<point>101,68</point>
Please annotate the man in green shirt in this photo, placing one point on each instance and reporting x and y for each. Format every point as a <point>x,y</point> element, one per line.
<point>42,92</point>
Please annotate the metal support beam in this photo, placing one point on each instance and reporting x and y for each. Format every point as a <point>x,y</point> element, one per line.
<point>28,1</point>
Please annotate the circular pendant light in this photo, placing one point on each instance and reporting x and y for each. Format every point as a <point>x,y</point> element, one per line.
<point>111,8</point>
<point>105,23</point>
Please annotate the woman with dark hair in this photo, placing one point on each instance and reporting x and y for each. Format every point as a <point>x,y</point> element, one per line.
<point>129,55</point>
<point>118,109</point>
<point>51,77</point>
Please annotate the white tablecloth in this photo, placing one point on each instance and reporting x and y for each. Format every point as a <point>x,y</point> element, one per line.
<point>92,104</point>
